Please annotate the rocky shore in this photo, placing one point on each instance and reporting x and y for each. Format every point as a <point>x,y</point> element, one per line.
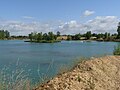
<point>96,74</point>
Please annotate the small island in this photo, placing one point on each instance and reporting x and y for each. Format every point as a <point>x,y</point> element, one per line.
<point>43,38</point>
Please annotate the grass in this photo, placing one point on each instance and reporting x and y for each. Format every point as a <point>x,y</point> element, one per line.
<point>116,50</point>
<point>18,78</point>
<point>14,79</point>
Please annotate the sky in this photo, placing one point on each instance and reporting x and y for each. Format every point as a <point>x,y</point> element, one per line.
<point>21,17</point>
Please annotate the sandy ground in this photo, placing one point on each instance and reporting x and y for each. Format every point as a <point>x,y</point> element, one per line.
<point>95,74</point>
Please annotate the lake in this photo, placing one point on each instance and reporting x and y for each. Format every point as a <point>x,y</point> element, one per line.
<point>41,59</point>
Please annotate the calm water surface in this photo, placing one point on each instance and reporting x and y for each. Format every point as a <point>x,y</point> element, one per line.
<point>49,57</point>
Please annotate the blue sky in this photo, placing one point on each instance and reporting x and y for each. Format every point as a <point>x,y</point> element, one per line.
<point>21,17</point>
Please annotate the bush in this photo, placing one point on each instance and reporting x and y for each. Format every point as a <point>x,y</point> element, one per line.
<point>116,50</point>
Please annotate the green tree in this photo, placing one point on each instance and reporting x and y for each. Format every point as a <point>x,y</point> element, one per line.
<point>35,36</point>
<point>4,34</point>
<point>77,36</point>
<point>106,35</point>
<point>45,36</point>
<point>55,37</point>
<point>100,35</point>
<point>31,36</point>
<point>7,34</point>
<point>58,33</point>
<point>88,34</point>
<point>118,31</point>
<point>94,35</point>
<point>51,36</point>
<point>39,36</point>
<point>69,37</point>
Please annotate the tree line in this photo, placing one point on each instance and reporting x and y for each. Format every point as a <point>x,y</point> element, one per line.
<point>89,34</point>
<point>4,34</point>
<point>50,36</point>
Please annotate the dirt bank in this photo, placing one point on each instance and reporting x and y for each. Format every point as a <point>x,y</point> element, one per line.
<point>95,74</point>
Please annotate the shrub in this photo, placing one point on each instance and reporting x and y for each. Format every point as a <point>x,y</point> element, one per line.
<point>116,50</point>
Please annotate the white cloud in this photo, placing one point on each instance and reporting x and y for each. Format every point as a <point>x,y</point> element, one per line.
<point>103,24</point>
<point>27,17</point>
<point>99,24</point>
<point>88,13</point>
<point>23,28</point>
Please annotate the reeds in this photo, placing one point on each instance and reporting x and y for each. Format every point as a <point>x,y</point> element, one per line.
<point>16,79</point>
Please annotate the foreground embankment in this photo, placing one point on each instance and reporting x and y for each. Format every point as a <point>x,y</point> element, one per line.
<point>96,74</point>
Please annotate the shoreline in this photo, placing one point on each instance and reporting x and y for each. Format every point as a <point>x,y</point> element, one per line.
<point>26,40</point>
<point>44,41</point>
<point>97,73</point>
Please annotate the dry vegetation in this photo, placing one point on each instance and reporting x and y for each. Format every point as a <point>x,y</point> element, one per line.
<point>17,79</point>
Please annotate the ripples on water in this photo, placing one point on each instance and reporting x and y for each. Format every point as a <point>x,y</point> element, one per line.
<point>34,55</point>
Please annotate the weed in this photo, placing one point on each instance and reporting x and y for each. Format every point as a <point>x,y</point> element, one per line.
<point>116,50</point>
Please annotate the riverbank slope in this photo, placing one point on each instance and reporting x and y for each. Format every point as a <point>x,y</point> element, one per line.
<point>95,74</point>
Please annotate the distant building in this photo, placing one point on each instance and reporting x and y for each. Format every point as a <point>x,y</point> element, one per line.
<point>93,38</point>
<point>64,37</point>
<point>100,39</point>
<point>82,38</point>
